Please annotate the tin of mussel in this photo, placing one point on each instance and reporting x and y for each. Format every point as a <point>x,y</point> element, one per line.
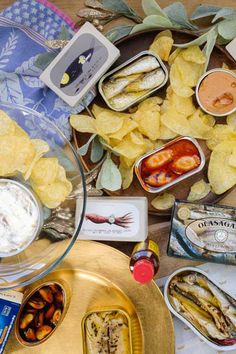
<point>133,81</point>
<point>203,306</point>
<point>169,164</point>
<point>41,312</point>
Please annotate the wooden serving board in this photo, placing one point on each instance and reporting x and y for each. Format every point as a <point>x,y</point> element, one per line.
<point>129,47</point>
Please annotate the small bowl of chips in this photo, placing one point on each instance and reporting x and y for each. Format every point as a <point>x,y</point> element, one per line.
<point>40,179</point>
<point>216,92</point>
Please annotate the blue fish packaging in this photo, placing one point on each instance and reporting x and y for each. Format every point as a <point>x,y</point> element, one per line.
<point>203,232</point>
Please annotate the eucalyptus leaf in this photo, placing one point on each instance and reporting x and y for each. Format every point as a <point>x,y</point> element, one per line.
<point>107,146</point>
<point>142,27</point>
<point>44,59</point>
<point>151,7</point>
<point>227,29</point>
<point>109,176</point>
<point>96,150</point>
<point>205,11</point>
<point>118,32</point>
<point>65,34</point>
<point>198,41</point>
<point>209,46</point>
<point>120,7</point>
<point>84,149</point>
<point>158,21</point>
<point>177,14</point>
<point>225,12</point>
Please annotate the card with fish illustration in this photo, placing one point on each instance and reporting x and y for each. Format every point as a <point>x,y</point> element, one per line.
<point>114,219</point>
<point>80,64</point>
<point>203,232</point>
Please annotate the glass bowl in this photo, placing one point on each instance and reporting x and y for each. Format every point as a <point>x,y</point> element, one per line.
<point>58,228</point>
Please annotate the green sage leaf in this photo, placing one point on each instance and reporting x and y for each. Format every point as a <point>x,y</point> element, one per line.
<point>109,177</point>
<point>209,46</point>
<point>158,21</point>
<point>198,41</point>
<point>120,7</point>
<point>96,150</point>
<point>151,7</point>
<point>225,12</point>
<point>205,11</point>
<point>44,59</point>
<point>118,32</point>
<point>84,149</point>
<point>227,29</point>
<point>141,27</point>
<point>177,14</point>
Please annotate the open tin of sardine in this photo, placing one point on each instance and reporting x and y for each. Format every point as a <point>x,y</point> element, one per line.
<point>104,329</point>
<point>169,164</point>
<point>133,81</point>
<point>42,311</point>
<point>199,302</point>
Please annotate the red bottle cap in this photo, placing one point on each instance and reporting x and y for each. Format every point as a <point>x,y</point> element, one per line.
<point>143,271</point>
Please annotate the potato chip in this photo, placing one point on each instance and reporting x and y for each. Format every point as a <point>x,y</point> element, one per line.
<point>149,124</point>
<point>7,126</point>
<point>163,202</point>
<point>154,101</point>
<point>127,175</point>
<point>44,171</point>
<point>194,54</point>
<point>199,190</point>
<point>128,149</point>
<point>108,122</point>
<point>52,195</point>
<point>41,148</point>
<point>83,123</point>
<point>174,55</point>
<point>149,144</point>
<point>189,72</point>
<point>126,162</point>
<point>231,121</point>
<point>208,119</point>
<point>19,131</point>
<point>137,138</point>
<point>182,105</point>
<point>221,175</point>
<point>220,133</point>
<point>200,130</point>
<point>176,122</point>
<point>232,159</point>
<point>177,83</point>
<point>165,33</point>
<point>166,133</point>
<point>162,46</point>
<point>128,126</point>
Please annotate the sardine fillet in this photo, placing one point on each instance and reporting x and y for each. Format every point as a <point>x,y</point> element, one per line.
<point>143,65</point>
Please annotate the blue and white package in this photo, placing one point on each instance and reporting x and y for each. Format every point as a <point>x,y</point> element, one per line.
<point>10,302</point>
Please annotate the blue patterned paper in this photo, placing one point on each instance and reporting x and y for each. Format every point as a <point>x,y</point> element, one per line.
<point>24,27</point>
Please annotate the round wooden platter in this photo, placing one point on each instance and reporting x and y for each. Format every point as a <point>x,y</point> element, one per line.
<point>130,46</point>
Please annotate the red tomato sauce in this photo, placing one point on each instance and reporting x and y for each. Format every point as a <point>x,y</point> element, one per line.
<point>168,164</point>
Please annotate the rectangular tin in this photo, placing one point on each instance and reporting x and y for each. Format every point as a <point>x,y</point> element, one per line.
<point>110,73</point>
<point>177,180</point>
<point>124,313</point>
<point>220,348</point>
<point>91,54</point>
<point>203,232</point>
<point>114,219</point>
<point>9,307</point>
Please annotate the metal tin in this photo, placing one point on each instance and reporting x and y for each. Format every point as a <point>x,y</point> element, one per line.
<point>124,313</point>
<point>110,73</point>
<point>122,219</point>
<point>29,292</point>
<point>199,84</point>
<point>211,343</point>
<point>177,180</point>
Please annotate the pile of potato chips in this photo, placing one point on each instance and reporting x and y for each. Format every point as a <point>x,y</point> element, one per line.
<point>20,154</point>
<point>147,126</point>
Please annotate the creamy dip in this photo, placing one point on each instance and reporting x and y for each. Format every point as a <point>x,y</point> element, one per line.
<point>217,92</point>
<point>19,217</point>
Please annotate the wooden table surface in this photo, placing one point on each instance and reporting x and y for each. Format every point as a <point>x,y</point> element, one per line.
<point>72,6</point>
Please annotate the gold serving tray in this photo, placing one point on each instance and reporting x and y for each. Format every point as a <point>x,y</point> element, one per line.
<point>99,277</point>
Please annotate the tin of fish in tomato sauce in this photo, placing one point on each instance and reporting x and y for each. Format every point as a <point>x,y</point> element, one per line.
<point>170,164</point>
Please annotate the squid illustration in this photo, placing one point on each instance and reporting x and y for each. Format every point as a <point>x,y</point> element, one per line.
<point>122,221</point>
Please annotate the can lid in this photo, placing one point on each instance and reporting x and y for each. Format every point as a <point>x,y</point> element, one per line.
<point>143,271</point>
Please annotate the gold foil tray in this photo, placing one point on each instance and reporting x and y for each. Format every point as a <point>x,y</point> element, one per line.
<point>99,277</point>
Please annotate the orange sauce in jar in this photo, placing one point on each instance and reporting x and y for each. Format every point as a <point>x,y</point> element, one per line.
<point>217,92</point>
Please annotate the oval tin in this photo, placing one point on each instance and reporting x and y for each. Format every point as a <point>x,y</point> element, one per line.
<point>110,73</point>
<point>211,343</point>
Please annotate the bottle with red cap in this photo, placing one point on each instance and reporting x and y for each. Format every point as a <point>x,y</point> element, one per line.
<point>145,261</point>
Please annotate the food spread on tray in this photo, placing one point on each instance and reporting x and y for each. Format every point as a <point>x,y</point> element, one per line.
<point>107,332</point>
<point>204,305</point>
<point>40,314</point>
